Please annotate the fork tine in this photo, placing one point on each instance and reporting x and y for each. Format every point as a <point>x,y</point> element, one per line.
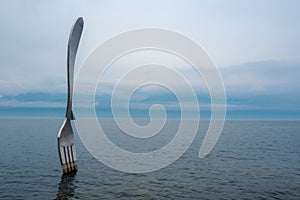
<point>62,158</point>
<point>68,159</point>
<point>71,161</point>
<point>73,156</point>
<point>64,164</point>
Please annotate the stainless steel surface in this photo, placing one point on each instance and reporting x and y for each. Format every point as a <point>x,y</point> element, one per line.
<point>65,137</point>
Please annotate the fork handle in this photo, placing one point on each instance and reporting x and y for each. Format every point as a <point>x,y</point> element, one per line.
<point>73,44</point>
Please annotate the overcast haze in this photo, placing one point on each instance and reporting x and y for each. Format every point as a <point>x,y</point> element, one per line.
<point>255,44</point>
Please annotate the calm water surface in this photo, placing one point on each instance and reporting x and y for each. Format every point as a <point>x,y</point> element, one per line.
<point>252,159</point>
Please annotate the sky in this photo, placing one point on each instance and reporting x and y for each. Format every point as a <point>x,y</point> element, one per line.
<point>254,44</point>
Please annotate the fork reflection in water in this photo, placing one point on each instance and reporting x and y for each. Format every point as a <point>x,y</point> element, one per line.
<point>66,187</point>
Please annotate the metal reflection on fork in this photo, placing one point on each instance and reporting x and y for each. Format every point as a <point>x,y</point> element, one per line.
<point>65,137</point>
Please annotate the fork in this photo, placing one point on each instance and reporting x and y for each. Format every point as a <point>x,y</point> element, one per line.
<point>65,137</point>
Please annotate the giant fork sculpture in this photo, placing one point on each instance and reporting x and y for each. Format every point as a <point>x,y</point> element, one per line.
<point>65,137</point>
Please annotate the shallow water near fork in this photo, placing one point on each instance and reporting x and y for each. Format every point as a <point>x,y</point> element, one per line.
<point>252,159</point>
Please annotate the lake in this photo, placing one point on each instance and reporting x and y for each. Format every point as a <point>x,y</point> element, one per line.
<point>252,160</point>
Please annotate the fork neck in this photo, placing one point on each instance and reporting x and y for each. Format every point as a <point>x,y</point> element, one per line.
<point>70,78</point>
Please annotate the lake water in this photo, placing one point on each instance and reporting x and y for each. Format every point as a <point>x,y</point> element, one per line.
<point>252,160</point>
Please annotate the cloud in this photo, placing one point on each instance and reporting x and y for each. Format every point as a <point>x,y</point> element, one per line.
<point>278,94</point>
<point>263,78</point>
<point>34,34</point>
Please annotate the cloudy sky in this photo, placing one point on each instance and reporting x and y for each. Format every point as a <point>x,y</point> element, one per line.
<point>255,44</point>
